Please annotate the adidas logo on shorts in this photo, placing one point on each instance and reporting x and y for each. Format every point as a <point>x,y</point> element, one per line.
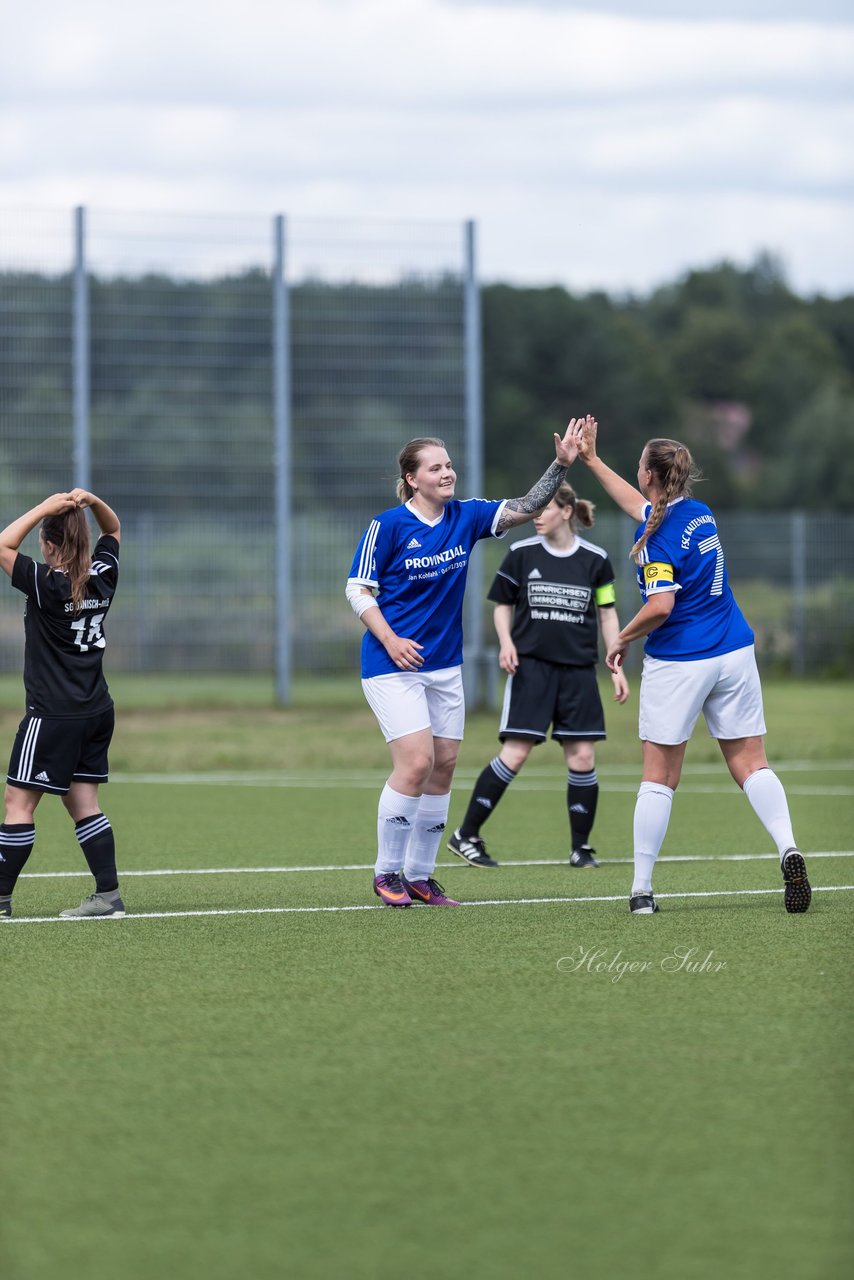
<point>42,777</point>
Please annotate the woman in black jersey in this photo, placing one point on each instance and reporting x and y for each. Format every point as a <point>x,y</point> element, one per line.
<point>62,742</point>
<point>550,593</point>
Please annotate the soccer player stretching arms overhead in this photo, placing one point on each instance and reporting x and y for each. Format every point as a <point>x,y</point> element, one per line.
<point>699,656</point>
<point>415,557</point>
<point>62,742</point>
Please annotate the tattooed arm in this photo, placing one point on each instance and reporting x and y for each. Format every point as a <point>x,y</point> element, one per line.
<point>519,510</point>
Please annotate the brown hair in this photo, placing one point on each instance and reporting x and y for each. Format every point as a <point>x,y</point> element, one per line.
<point>673,468</point>
<point>408,460</point>
<point>582,510</point>
<point>69,533</point>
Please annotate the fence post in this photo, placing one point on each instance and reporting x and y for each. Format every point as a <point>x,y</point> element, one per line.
<point>282,463</point>
<point>80,453</point>
<point>473,623</point>
<point>799,588</point>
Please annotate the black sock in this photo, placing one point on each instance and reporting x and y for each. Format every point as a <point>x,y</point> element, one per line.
<point>16,845</point>
<point>488,790</point>
<point>98,843</point>
<point>582,794</point>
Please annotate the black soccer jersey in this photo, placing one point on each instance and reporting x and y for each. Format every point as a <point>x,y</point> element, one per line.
<point>64,651</point>
<point>555,596</point>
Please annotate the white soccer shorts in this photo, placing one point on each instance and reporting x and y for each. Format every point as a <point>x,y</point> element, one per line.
<point>726,689</point>
<point>408,701</point>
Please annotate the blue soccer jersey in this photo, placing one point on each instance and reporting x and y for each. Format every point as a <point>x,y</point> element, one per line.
<point>420,569</point>
<point>685,555</point>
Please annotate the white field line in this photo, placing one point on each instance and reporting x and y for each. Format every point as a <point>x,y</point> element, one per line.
<point>483,902</point>
<point>531,780</point>
<point>531,771</point>
<point>456,866</point>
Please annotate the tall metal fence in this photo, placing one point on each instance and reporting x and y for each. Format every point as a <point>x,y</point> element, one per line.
<point>245,386</point>
<point>238,389</point>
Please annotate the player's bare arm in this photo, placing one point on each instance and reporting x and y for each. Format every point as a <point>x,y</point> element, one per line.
<point>519,510</point>
<point>508,658</point>
<point>626,496</point>
<point>13,535</point>
<point>404,652</point>
<point>609,625</point>
<point>107,520</point>
<point>652,614</point>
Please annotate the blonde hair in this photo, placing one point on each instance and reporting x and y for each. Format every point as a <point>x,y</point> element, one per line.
<point>673,468</point>
<point>408,460</point>
<point>582,510</point>
<point>69,533</point>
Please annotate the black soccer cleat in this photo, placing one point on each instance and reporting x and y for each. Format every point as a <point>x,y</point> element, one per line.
<point>643,904</point>
<point>797,894</point>
<point>471,849</point>
<point>6,907</point>
<point>583,857</point>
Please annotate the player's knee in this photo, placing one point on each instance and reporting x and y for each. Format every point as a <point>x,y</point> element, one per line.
<point>20,804</point>
<point>514,753</point>
<point>444,765</point>
<point>418,766</point>
<point>582,758</point>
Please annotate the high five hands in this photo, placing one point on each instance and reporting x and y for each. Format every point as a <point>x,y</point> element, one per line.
<point>566,448</point>
<point>584,437</point>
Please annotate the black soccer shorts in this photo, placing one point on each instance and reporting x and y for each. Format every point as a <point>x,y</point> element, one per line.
<point>51,752</point>
<point>543,693</point>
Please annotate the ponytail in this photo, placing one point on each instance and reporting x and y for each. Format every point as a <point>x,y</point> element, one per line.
<point>69,533</point>
<point>582,510</point>
<point>675,473</point>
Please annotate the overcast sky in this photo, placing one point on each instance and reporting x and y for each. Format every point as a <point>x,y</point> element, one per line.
<point>608,145</point>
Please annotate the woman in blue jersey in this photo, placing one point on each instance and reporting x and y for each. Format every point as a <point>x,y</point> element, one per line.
<point>699,656</point>
<point>414,558</point>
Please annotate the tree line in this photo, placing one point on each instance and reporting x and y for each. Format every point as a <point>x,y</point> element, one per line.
<point>758,381</point>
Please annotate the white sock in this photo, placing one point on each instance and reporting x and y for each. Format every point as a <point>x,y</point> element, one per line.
<point>768,801</point>
<point>427,835</point>
<point>652,814</point>
<point>395,820</point>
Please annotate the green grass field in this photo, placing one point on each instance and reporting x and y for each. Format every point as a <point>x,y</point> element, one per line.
<point>260,1073</point>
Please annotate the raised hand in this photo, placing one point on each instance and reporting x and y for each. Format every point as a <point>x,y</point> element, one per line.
<point>585,440</point>
<point>58,503</point>
<point>566,448</point>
